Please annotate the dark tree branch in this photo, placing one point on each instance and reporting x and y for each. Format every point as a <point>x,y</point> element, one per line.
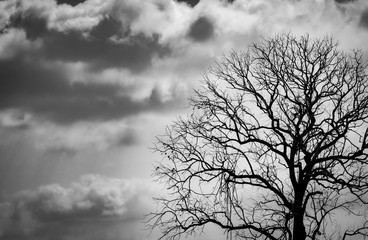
<point>277,143</point>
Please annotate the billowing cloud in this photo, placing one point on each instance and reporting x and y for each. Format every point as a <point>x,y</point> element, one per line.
<point>94,207</point>
<point>106,44</point>
<point>101,61</point>
<point>70,68</point>
<point>42,46</point>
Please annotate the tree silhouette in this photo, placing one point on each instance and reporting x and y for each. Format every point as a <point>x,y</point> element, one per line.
<point>275,148</point>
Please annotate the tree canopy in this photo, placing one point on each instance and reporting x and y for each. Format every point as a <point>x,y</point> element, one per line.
<point>275,146</point>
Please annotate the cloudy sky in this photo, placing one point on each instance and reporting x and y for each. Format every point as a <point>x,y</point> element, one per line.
<point>85,86</point>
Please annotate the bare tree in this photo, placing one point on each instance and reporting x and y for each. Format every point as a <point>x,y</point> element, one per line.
<point>275,148</point>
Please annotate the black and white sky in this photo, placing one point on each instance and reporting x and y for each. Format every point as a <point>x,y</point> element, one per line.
<point>86,85</point>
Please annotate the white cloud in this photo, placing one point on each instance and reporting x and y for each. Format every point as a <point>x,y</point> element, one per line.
<point>96,204</point>
<point>7,8</point>
<point>14,41</point>
<point>147,17</point>
<point>82,17</point>
<point>92,196</point>
<point>14,118</point>
<point>167,18</point>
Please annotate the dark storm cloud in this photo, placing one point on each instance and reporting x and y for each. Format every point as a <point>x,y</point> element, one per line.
<point>46,90</point>
<point>201,30</point>
<point>134,52</point>
<point>344,1</point>
<point>107,28</point>
<point>34,27</point>
<point>70,2</point>
<point>364,19</point>
<point>191,3</point>
<point>31,86</point>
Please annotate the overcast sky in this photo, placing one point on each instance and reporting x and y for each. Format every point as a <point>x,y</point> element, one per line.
<point>85,86</point>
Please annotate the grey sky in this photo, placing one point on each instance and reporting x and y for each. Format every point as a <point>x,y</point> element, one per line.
<point>87,85</point>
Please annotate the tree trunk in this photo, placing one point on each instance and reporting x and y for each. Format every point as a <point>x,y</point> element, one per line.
<point>299,229</point>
